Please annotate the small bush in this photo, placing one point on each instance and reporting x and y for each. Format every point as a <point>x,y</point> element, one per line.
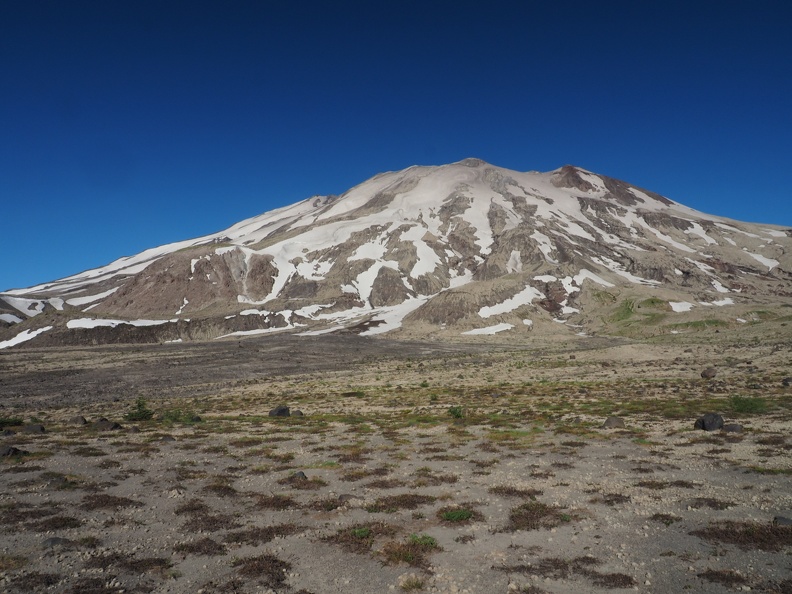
<point>10,422</point>
<point>457,412</point>
<point>141,412</point>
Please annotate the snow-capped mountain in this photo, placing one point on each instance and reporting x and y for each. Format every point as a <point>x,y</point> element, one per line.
<point>460,249</point>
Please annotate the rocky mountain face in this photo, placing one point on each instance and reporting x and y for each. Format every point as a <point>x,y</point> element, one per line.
<point>438,252</point>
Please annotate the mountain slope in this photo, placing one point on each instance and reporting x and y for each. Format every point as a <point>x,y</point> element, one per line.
<point>437,251</point>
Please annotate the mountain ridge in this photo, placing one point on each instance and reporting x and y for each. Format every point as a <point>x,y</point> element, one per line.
<point>421,251</point>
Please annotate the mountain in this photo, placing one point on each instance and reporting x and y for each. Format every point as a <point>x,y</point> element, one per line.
<point>439,252</point>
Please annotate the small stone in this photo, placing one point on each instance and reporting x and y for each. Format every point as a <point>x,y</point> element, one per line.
<point>613,423</point>
<point>34,428</point>
<point>297,413</point>
<point>733,428</point>
<point>299,476</point>
<point>709,373</point>
<point>78,420</point>
<point>786,382</point>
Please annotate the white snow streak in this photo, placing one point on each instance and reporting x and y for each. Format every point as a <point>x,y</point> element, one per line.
<point>769,262</point>
<point>524,297</point>
<point>490,329</point>
<point>76,301</point>
<point>23,336</point>
<point>96,323</point>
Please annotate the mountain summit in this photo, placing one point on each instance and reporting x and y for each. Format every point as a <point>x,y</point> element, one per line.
<point>461,249</point>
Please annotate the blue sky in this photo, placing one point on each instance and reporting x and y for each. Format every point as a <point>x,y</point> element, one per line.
<point>126,125</point>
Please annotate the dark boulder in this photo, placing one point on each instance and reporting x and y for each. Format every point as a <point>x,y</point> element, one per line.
<point>613,423</point>
<point>709,422</point>
<point>709,373</point>
<point>297,413</point>
<point>34,429</point>
<point>57,541</point>
<point>782,521</point>
<point>280,411</point>
<point>78,420</point>
<point>105,425</point>
<point>786,382</point>
<point>6,451</point>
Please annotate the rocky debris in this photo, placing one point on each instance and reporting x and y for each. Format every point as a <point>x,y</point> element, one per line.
<point>33,429</point>
<point>78,420</point>
<point>297,413</point>
<point>7,432</point>
<point>613,423</point>
<point>298,476</point>
<point>7,451</point>
<point>709,422</point>
<point>709,373</point>
<point>105,425</point>
<point>166,438</point>
<point>733,428</point>
<point>280,411</point>
<point>786,382</point>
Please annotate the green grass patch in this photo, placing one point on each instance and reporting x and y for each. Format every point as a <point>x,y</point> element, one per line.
<point>748,405</point>
<point>10,422</point>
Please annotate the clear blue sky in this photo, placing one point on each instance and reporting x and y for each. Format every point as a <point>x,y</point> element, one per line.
<point>125,125</point>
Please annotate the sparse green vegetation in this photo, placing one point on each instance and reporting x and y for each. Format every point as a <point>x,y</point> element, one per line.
<point>748,405</point>
<point>141,412</point>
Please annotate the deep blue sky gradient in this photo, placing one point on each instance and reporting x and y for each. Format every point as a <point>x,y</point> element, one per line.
<point>126,125</point>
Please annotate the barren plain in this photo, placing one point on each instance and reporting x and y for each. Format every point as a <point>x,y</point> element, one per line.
<point>473,467</point>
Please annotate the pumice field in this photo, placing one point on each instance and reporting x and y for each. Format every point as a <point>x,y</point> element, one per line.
<point>353,464</point>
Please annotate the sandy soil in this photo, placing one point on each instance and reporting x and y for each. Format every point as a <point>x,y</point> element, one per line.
<point>470,467</point>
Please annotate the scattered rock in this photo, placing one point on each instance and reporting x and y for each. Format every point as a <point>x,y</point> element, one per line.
<point>613,422</point>
<point>573,357</point>
<point>11,451</point>
<point>56,541</point>
<point>34,428</point>
<point>167,438</point>
<point>346,498</point>
<point>78,420</point>
<point>733,428</point>
<point>7,432</point>
<point>134,429</point>
<point>782,521</point>
<point>709,422</point>
<point>298,476</point>
<point>688,350</point>
<point>709,373</point>
<point>297,413</point>
<point>786,382</point>
<point>195,419</point>
<point>105,425</point>
<point>280,411</point>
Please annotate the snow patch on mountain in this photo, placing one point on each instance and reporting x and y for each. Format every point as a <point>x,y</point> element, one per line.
<point>489,330</point>
<point>526,296</point>
<point>23,336</point>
